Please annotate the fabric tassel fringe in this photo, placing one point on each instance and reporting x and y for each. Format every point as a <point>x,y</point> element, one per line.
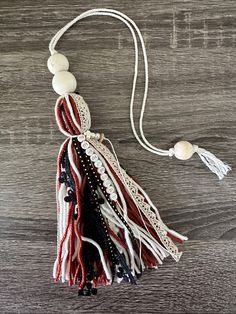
<point>108,228</point>
<point>212,162</point>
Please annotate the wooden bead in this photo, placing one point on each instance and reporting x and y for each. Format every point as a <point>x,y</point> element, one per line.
<point>64,82</point>
<point>81,138</point>
<point>85,145</point>
<point>183,150</point>
<point>94,157</point>
<point>113,197</point>
<point>57,63</point>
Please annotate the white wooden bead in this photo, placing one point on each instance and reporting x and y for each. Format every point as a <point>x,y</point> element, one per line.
<point>57,63</point>
<point>101,170</point>
<point>88,134</point>
<point>113,196</point>
<point>81,138</point>
<point>98,163</point>
<point>97,136</point>
<point>64,82</point>
<point>85,145</point>
<point>110,189</point>
<point>106,183</point>
<point>94,157</point>
<point>104,176</point>
<point>183,150</point>
<point>89,151</point>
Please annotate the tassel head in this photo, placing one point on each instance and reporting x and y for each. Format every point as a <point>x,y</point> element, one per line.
<point>72,115</point>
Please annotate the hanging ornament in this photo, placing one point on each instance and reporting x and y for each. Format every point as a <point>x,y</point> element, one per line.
<point>108,228</point>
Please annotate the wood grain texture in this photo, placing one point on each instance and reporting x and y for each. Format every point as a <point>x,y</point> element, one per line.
<point>191,50</point>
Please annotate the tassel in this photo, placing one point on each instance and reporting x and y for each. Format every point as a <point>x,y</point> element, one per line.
<point>108,228</point>
<point>212,162</point>
<point>184,150</point>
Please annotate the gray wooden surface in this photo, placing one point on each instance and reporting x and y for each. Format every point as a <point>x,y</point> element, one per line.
<point>191,49</point>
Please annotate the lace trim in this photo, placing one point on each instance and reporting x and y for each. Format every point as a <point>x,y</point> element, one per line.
<point>83,110</point>
<point>140,199</point>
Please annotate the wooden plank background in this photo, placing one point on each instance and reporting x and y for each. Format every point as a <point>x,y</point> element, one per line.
<point>191,50</point>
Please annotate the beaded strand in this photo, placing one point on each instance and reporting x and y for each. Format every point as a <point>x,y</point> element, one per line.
<point>95,196</point>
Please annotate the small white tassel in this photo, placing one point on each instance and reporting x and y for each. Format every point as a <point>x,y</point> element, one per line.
<point>184,150</point>
<point>212,162</point>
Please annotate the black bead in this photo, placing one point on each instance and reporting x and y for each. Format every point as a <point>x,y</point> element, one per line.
<point>67,199</point>
<point>63,174</point>
<point>62,177</point>
<point>119,274</point>
<point>61,180</point>
<point>94,291</point>
<point>101,201</point>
